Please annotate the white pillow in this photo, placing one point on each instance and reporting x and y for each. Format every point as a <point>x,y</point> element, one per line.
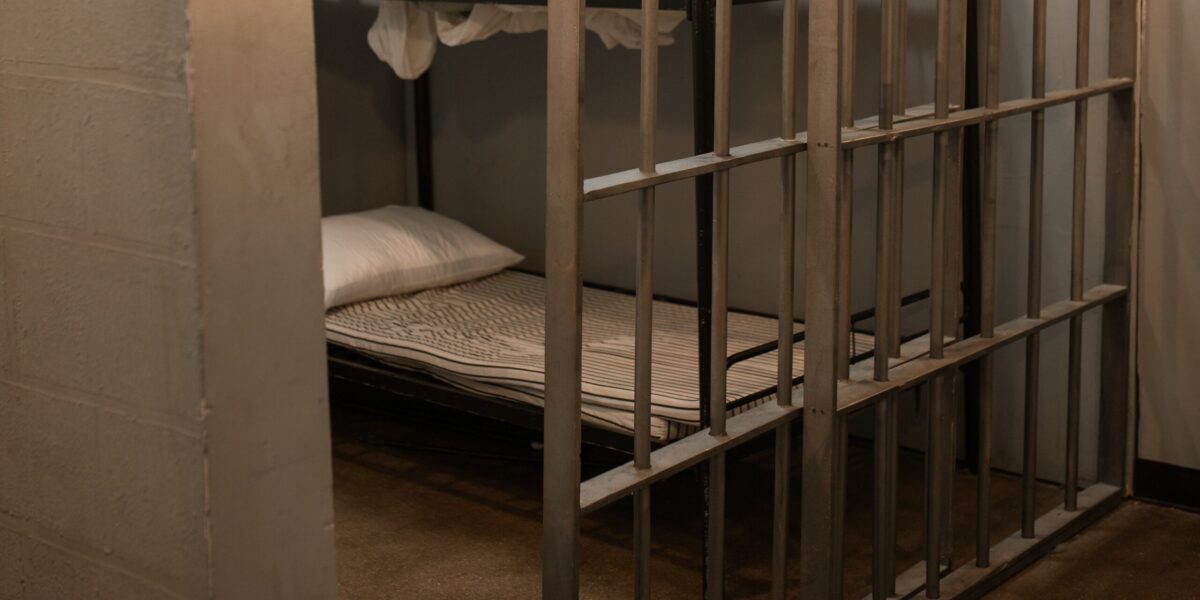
<point>398,249</point>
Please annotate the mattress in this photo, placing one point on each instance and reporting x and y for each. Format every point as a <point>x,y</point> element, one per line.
<point>486,336</point>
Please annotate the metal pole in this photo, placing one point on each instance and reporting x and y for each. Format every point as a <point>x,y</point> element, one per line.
<point>720,273</point>
<point>937,476</point>
<point>884,574</point>
<point>787,267</point>
<point>824,428</point>
<point>987,275</point>
<point>1079,206</point>
<point>564,309</point>
<point>900,108</point>
<point>1032,345</point>
<point>846,207</point>
<point>1117,385</point>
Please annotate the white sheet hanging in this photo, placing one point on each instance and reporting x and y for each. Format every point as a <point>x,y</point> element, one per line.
<point>406,34</point>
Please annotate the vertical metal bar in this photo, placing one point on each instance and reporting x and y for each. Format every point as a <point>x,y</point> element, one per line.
<point>720,273</point>
<point>821,563</point>
<point>846,207</point>
<point>644,326</point>
<point>703,17</point>
<point>787,217</point>
<point>787,268</point>
<point>564,310</point>
<point>987,274</point>
<point>884,574</point>
<point>779,536</point>
<point>971,188</point>
<point>952,287</point>
<point>936,480</point>
<point>720,221</point>
<point>1115,461</point>
<point>1082,58</point>
<point>899,107</point>
<point>936,472</point>
<point>1034,297</point>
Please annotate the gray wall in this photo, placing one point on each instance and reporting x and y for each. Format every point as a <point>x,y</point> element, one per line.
<point>489,129</point>
<point>1169,327</point>
<point>138,452</point>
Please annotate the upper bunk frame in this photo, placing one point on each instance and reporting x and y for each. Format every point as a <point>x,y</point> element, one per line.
<point>833,390</point>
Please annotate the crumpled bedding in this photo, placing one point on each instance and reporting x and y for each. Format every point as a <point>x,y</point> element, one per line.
<point>406,34</point>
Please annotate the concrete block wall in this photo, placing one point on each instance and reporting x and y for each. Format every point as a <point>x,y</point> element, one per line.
<point>108,430</point>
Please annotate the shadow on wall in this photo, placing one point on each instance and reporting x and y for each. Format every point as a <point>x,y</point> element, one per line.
<point>361,106</point>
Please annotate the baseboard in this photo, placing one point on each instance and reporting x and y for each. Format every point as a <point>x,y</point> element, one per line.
<point>1167,484</point>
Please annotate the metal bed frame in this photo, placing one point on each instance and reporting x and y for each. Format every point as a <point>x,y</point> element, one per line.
<point>834,388</point>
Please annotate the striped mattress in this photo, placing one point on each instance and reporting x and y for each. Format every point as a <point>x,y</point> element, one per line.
<point>486,336</point>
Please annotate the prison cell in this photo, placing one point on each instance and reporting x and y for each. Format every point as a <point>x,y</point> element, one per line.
<point>833,388</point>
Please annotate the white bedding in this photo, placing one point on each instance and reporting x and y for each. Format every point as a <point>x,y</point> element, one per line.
<point>406,34</point>
<point>486,335</point>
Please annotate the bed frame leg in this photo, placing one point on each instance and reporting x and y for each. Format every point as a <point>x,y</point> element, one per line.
<point>422,120</point>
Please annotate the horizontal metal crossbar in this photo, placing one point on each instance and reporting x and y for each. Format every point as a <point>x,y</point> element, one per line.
<point>1015,552</point>
<point>858,392</point>
<point>630,180</point>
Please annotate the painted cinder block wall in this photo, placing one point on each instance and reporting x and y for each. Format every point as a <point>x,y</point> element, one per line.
<point>158,223</point>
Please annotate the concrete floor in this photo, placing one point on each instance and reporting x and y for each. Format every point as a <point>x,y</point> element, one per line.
<point>426,509</point>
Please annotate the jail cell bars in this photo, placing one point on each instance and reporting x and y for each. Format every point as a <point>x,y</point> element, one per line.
<point>834,388</point>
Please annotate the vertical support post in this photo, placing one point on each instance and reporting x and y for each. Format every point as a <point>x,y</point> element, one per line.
<point>720,315</point>
<point>1079,207</point>
<point>824,428</point>
<point>787,269</point>
<point>564,310</point>
<point>1117,391</point>
<point>644,326</point>
<point>703,16</point>
<point>987,284</point>
<point>1033,301</point>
